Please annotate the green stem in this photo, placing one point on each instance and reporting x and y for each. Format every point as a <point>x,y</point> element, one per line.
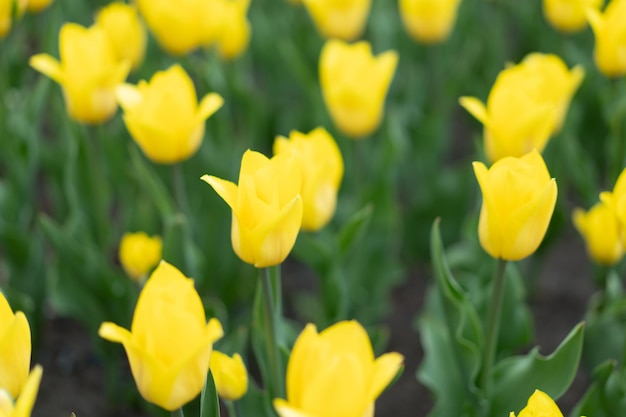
<point>180,192</point>
<point>178,412</point>
<point>270,282</point>
<point>232,407</point>
<point>493,327</point>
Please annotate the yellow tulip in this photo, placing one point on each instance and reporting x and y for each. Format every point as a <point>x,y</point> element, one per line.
<point>527,104</point>
<point>126,31</point>
<point>518,200</point>
<point>334,373</point>
<point>36,6</point>
<point>354,85</point>
<point>139,253</point>
<point>610,33</point>
<point>429,21</point>
<point>341,19</point>
<point>266,205</point>
<point>601,231</point>
<point>177,25</point>
<point>164,117</point>
<point>569,15</point>
<point>6,13</point>
<point>234,34</point>
<point>15,349</point>
<point>89,72</point>
<point>25,402</point>
<point>616,201</point>
<point>169,345</point>
<point>539,404</point>
<point>230,375</point>
<point>321,166</point>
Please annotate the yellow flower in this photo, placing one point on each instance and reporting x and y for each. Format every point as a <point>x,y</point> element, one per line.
<point>177,25</point>
<point>170,343</point>
<point>89,72</point>
<point>354,85</point>
<point>164,117</point>
<point>230,375</point>
<point>616,201</point>
<point>569,15</point>
<point>518,200</point>
<point>266,205</point>
<point>539,404</point>
<point>429,21</point>
<point>321,166</point>
<point>341,19</point>
<point>15,349</point>
<point>601,231</point>
<point>125,30</point>
<point>526,105</point>
<point>139,253</point>
<point>25,402</point>
<point>36,6</point>
<point>234,33</point>
<point>334,373</point>
<point>610,33</point>
<point>6,14</point>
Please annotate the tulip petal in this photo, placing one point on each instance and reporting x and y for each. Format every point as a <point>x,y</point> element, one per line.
<point>128,96</point>
<point>15,351</point>
<point>26,401</point>
<point>595,19</point>
<point>6,313</point>
<point>386,367</point>
<point>349,337</point>
<point>227,190</point>
<point>283,409</point>
<point>209,105</point>
<point>489,223</point>
<point>48,66</point>
<point>251,162</point>
<point>476,108</point>
<point>113,333</point>
<point>303,350</point>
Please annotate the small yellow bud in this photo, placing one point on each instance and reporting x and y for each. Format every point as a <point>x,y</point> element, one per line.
<point>139,253</point>
<point>230,375</point>
<point>125,30</point>
<point>429,21</point>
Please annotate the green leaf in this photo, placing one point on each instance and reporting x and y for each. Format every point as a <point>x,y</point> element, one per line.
<point>606,397</point>
<point>152,184</point>
<point>354,228</point>
<point>516,378</point>
<point>209,403</point>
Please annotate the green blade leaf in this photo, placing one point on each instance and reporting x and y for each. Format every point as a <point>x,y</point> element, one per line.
<point>209,403</point>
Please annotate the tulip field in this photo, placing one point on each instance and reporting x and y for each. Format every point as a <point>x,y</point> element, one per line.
<point>313,208</point>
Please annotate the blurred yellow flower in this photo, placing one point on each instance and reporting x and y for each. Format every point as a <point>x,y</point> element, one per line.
<point>601,231</point>
<point>15,349</point>
<point>539,404</point>
<point>569,15</point>
<point>170,343</point>
<point>341,19</point>
<point>139,253</point>
<point>527,104</point>
<point>122,24</point>
<point>234,34</point>
<point>429,21</point>
<point>230,375</point>
<point>616,201</point>
<point>6,14</point>
<point>518,200</point>
<point>36,6</point>
<point>334,373</point>
<point>266,205</point>
<point>354,85</point>
<point>321,166</point>
<point>25,402</point>
<point>89,72</point>
<point>164,117</point>
<point>610,32</point>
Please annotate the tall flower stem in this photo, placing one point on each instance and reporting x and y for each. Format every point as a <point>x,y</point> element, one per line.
<point>178,412</point>
<point>270,281</point>
<point>493,326</point>
<point>233,408</point>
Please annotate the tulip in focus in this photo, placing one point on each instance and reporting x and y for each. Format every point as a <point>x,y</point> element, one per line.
<point>334,373</point>
<point>539,404</point>
<point>15,349</point>
<point>266,206</point>
<point>89,72</point>
<point>429,21</point>
<point>321,166</point>
<point>602,233</point>
<point>569,15</point>
<point>169,345</point>
<point>230,375</point>
<point>36,6</point>
<point>518,200</point>
<point>25,402</point>
<point>340,19</point>
<point>616,201</point>
<point>354,85</point>
<point>609,30</point>
<point>139,253</point>
<point>6,14</point>
<point>234,33</point>
<point>527,104</point>
<point>126,31</point>
<point>163,116</point>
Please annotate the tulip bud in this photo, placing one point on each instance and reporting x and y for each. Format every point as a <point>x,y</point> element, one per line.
<point>429,21</point>
<point>169,345</point>
<point>6,13</point>
<point>36,6</point>
<point>26,400</point>
<point>354,85</point>
<point>610,33</point>
<point>518,200</point>
<point>230,375</point>
<point>569,15</point>
<point>163,116</point>
<point>601,231</point>
<point>266,205</point>
<point>234,34</point>
<point>321,166</point>
<point>125,30</point>
<point>139,253</point>
<point>539,404</point>
<point>616,201</point>
<point>335,370</point>
<point>15,349</point>
<point>343,19</point>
